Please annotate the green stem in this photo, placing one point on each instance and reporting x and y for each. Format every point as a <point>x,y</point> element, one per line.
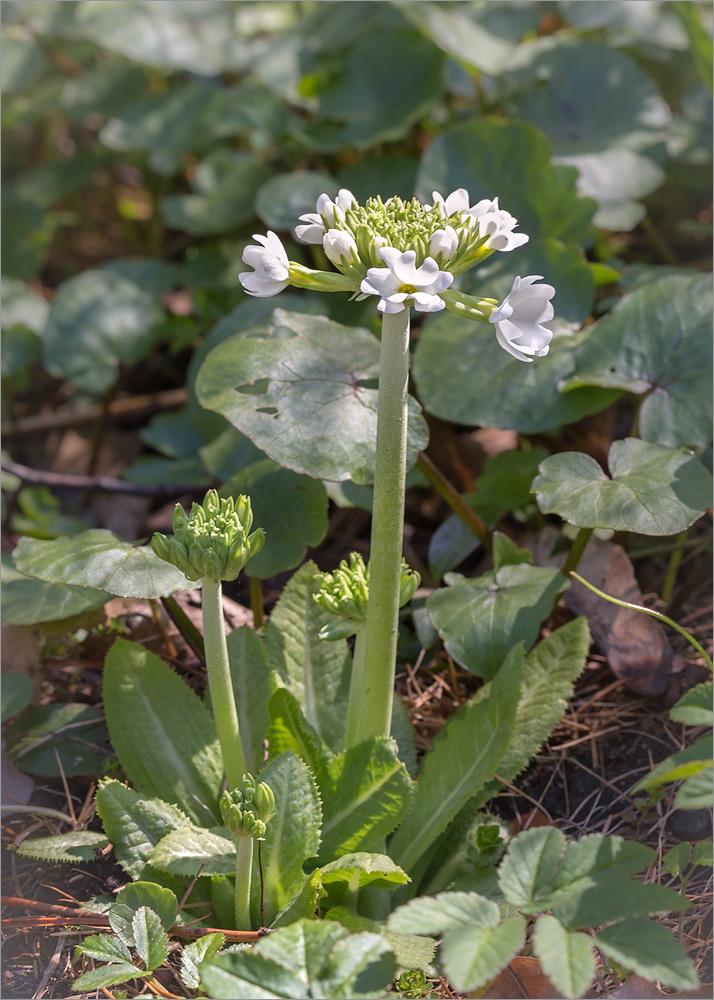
<point>244,869</point>
<point>648,611</point>
<point>576,550</point>
<point>670,577</point>
<point>375,699</point>
<point>354,705</point>
<point>220,685</point>
<point>256,601</point>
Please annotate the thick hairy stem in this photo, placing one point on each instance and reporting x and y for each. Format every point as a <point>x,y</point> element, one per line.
<point>244,867</point>
<point>219,683</point>
<point>375,699</point>
<point>354,706</point>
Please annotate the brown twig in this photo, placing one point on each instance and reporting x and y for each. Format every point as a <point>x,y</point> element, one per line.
<point>102,484</point>
<point>134,406</point>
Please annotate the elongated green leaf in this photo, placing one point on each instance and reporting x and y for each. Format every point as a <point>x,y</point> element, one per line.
<point>252,687</point>
<point>653,490</point>
<point>317,673</point>
<point>473,956</point>
<point>680,765</point>
<point>194,953</point>
<point>177,756</point>
<point>290,730</point>
<point>108,975</point>
<point>75,847</point>
<point>699,37</point>
<point>105,948</point>
<point>300,390</point>
<point>529,870</point>
<point>365,792</point>
<point>444,912</point>
<point>99,559</point>
<point>161,902</point>
<point>292,835</point>
<point>150,937</point>
<point>463,759</point>
<point>481,619</point>
<point>657,341</point>
<point>696,792</point>
<point>190,848</point>
<point>695,706</point>
<point>135,823</point>
<point>566,956</point>
<point>592,901</point>
<point>31,602</point>
<point>650,950</point>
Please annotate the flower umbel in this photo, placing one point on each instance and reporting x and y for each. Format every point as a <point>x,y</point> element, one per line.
<point>519,318</point>
<point>402,282</point>
<point>212,541</point>
<point>248,809</point>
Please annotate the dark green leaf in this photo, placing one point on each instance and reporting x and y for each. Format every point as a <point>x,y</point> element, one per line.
<point>460,36</point>
<point>107,975</point>
<point>650,950</point>
<point>566,956</point>
<point>282,199</point>
<point>253,684</point>
<point>473,956</point>
<point>531,865</point>
<point>27,601</point>
<point>694,708</point>
<point>16,691</point>
<point>105,948</point>
<point>143,895</point>
<point>76,731</point>
<point>290,730</point>
<point>386,176</point>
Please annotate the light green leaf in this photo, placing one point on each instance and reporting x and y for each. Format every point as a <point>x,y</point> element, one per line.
<point>444,912</point>
<point>98,321</point>
<point>652,490</point>
<point>489,154</point>
<point>411,951</point>
<point>694,708</point>
<point>150,938</point>
<point>177,758</point>
<point>105,948</point>
<point>27,601</point>
<point>283,199</point>
<point>292,835</point>
<point>361,869</point>
<point>75,848</point>
<point>316,673</point>
<point>300,390</point>
<point>253,685</point>
<point>184,851</point>
<point>680,765</point>
<point>108,975</point>
<point>473,956</point>
<point>648,949</point>
<point>530,867</point>
<point>506,552</point>
<point>702,853</point>
<point>615,179</point>
<point>696,792</point>
<point>135,823</point>
<point>161,902</point>
<point>480,619</point>
<point>459,36</point>
<point>22,306</point>
<point>99,559</point>
<point>194,953</point>
<point>657,341</point>
<point>16,691</point>
<point>464,757</point>
<point>290,730</point>
<point>566,956</point>
<point>224,186</point>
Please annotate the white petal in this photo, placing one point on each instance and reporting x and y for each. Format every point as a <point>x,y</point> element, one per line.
<point>427,303</point>
<point>405,268</point>
<point>507,347</point>
<point>255,285</point>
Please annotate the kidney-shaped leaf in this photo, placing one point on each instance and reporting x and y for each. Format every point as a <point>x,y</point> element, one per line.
<point>282,199</point>
<point>302,392</point>
<point>653,490</point>
<point>98,321</point>
<point>97,558</point>
<point>658,341</point>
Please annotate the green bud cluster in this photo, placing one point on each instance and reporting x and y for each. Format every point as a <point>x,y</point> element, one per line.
<point>345,593</point>
<point>213,541</point>
<point>248,809</point>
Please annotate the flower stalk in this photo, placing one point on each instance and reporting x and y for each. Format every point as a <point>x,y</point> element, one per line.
<point>246,812</point>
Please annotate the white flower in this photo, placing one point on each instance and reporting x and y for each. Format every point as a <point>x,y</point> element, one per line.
<point>339,246</point>
<point>401,281</point>
<point>314,230</point>
<point>498,225</point>
<point>444,242</point>
<point>519,318</point>
<point>457,201</point>
<point>271,267</point>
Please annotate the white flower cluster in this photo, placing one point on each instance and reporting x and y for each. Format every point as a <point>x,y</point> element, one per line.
<point>407,254</point>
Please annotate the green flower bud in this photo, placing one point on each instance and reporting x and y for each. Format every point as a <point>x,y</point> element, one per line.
<point>247,809</point>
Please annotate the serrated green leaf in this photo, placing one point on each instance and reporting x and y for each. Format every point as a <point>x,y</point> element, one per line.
<point>607,858</point>
<point>135,823</point>
<point>290,730</point>
<point>365,792</point>
<point>653,490</point>
<point>289,385</point>
<point>358,870</point>
<point>566,956</point>
<point>657,341</point>
<point>150,938</point>
<point>695,706</point>
<point>702,853</point>
<point>302,906</point>
<point>194,953</point>
<point>480,619</point>
<point>444,912</point>
<point>677,859</point>
<point>190,848</point>
<point>291,837</point>
<point>473,956</point>
<point>593,901</point>
<point>177,758</point>
<point>463,759</point>
<point>253,685</point>
<point>101,560</point>
<point>531,865</point>
<point>317,673</point>
<point>75,847</point>
<point>162,902</point>
<point>411,951</point>
<point>648,948</point>
<point>108,975</point>
<point>105,948</point>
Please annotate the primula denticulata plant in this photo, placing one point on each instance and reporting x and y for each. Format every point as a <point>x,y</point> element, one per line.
<point>295,790</point>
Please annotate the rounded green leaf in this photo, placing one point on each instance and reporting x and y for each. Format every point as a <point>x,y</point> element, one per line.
<point>658,341</point>
<point>649,949</point>
<point>365,869</point>
<point>162,901</point>
<point>98,321</point>
<point>27,601</point>
<point>301,390</point>
<point>481,619</point>
<point>22,306</point>
<point>566,956</point>
<point>615,179</point>
<point>99,559</point>
<point>531,866</point>
<point>282,199</point>
<point>511,160</point>
<point>652,490</point>
<point>473,956</point>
